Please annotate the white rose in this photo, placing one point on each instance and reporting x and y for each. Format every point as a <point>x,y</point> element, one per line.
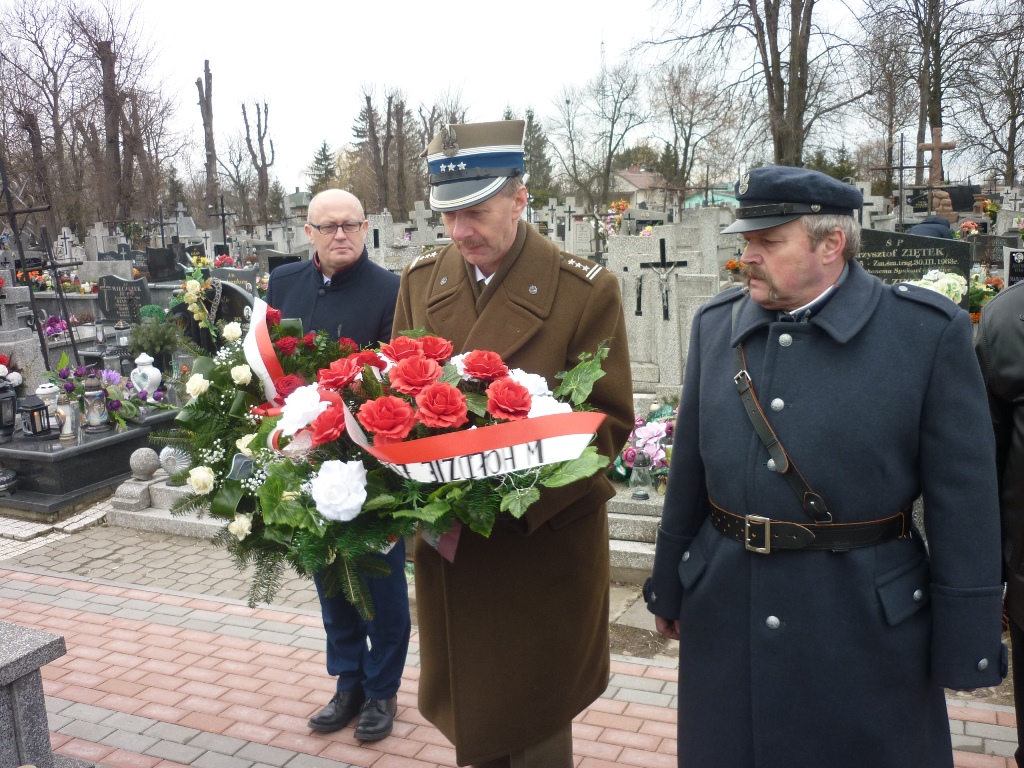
<point>15,378</point>
<point>196,385</point>
<point>201,480</point>
<point>232,332</point>
<point>86,288</point>
<point>242,444</point>
<point>241,526</point>
<point>546,406</point>
<point>241,374</point>
<point>339,489</point>
<point>3,370</point>
<point>193,286</point>
<point>536,384</point>
<point>300,408</point>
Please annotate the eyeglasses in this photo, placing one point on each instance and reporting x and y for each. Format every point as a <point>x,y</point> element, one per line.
<point>348,227</point>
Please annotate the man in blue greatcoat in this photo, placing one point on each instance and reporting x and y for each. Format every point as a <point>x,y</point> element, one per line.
<point>815,626</point>
<point>342,292</point>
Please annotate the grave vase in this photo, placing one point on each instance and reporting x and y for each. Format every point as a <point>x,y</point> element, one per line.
<point>145,376</point>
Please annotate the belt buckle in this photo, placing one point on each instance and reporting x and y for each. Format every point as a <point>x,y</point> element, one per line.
<point>760,520</point>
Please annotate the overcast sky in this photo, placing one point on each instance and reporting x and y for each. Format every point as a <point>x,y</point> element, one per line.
<point>309,60</point>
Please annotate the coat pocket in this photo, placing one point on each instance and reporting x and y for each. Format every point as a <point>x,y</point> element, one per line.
<point>904,591</point>
<point>694,560</point>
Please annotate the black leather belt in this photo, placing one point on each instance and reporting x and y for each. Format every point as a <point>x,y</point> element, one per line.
<point>763,535</point>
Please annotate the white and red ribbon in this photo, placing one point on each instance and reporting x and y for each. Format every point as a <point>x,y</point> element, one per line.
<point>259,350</point>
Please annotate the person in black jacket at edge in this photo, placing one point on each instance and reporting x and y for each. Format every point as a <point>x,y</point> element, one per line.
<point>1000,349</point>
<point>342,292</point>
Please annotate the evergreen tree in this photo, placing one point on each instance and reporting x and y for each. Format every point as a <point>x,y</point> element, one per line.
<point>175,191</point>
<point>275,201</point>
<point>537,162</point>
<point>323,172</point>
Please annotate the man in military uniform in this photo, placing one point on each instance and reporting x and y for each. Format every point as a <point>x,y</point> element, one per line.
<point>514,631</point>
<point>815,627</point>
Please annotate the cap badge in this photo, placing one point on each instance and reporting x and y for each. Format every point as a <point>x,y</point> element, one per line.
<point>533,290</point>
<point>815,207</point>
<point>744,184</point>
<point>449,145</point>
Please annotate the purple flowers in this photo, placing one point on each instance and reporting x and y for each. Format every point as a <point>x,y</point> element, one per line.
<point>69,387</point>
<point>81,372</point>
<point>64,373</point>
<point>114,405</point>
<point>54,326</point>
<point>110,378</point>
<point>143,394</point>
<point>158,396</point>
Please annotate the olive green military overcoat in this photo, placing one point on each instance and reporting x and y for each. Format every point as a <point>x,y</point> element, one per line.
<point>514,632</point>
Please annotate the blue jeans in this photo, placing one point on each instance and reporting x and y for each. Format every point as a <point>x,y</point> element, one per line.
<point>375,668</point>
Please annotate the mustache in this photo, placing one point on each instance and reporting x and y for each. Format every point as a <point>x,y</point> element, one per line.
<point>750,271</point>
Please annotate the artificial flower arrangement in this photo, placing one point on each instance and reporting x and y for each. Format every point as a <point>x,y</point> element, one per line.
<point>194,295</point>
<point>949,284</point>
<point>10,372</point>
<point>652,437</point>
<point>275,425</point>
<point>733,266</point>
<point>124,402</point>
<point>966,229</point>
<point>54,326</point>
<point>982,290</point>
<point>262,285</point>
<point>224,261</point>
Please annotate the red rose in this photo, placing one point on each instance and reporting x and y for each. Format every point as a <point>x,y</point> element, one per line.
<point>273,316</point>
<point>339,374</point>
<point>368,357</point>
<point>412,374</point>
<point>348,346</point>
<point>5,360</point>
<point>401,348</point>
<point>309,340</point>
<point>389,418</point>
<point>484,364</point>
<point>287,345</point>
<point>329,425</point>
<point>288,384</point>
<point>441,405</point>
<point>508,400</point>
<point>436,348</point>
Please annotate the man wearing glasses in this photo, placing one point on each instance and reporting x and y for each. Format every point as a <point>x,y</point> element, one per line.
<point>342,292</point>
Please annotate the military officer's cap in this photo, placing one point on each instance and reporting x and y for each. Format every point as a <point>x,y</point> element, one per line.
<point>777,194</point>
<point>471,162</point>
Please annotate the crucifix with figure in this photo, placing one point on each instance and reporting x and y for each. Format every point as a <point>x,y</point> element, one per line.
<point>662,269</point>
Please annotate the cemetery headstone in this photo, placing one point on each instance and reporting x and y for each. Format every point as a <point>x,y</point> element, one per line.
<point>161,264</point>
<point>987,250</point>
<point>246,278</point>
<point>273,259</point>
<point>1013,265</point>
<point>195,249</point>
<point>140,263</point>
<point>895,257</point>
<point>121,299</point>
<point>113,256</point>
<point>226,301</point>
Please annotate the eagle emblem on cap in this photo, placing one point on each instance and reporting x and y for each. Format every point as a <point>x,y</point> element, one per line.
<point>815,208</point>
<point>449,144</point>
<point>744,184</point>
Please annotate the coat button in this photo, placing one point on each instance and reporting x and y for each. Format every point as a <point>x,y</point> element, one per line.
<point>918,594</point>
<point>771,465</point>
<point>902,289</point>
<point>983,665</point>
<point>785,340</point>
<point>778,404</point>
<point>322,292</point>
<point>533,290</point>
<point>686,555</point>
<point>772,622</point>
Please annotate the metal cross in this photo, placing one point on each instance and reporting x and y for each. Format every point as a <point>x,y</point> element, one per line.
<point>662,269</point>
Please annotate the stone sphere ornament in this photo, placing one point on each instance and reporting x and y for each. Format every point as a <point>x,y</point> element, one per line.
<point>144,462</point>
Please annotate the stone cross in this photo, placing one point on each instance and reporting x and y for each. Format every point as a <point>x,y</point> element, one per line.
<point>420,216</point>
<point>662,269</point>
<point>66,236</point>
<point>936,147</point>
<point>99,231</point>
<point>552,209</point>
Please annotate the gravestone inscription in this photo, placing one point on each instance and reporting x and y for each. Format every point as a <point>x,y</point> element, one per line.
<point>121,299</point>
<point>1013,264</point>
<point>895,257</point>
<point>246,278</point>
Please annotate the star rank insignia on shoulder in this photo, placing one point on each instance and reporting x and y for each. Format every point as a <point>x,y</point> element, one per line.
<point>585,268</point>
<point>424,258</point>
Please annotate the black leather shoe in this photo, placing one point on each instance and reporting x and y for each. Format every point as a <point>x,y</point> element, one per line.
<point>338,713</point>
<point>377,719</point>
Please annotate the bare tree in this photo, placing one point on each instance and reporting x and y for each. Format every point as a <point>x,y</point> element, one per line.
<point>989,113</point>
<point>259,159</point>
<point>798,65</point>
<point>592,126</point>
<point>241,176</point>
<point>205,87</point>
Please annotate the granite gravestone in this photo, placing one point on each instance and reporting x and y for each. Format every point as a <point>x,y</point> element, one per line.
<point>1013,264</point>
<point>274,259</point>
<point>246,278</point>
<point>987,250</point>
<point>140,263</point>
<point>112,256</point>
<point>225,301</point>
<point>895,257</point>
<point>121,299</point>
<point>161,264</point>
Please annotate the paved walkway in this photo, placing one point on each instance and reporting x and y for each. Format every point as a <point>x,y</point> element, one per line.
<point>167,666</point>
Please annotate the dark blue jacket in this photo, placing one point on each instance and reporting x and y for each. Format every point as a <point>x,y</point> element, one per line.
<point>358,304</point>
<point>933,226</point>
<point>800,658</point>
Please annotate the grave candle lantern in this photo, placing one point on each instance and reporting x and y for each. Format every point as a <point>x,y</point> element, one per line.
<point>122,331</point>
<point>47,392</point>
<point>8,406</point>
<point>35,418</point>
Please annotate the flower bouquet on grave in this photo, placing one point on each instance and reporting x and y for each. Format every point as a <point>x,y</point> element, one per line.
<point>651,436</point>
